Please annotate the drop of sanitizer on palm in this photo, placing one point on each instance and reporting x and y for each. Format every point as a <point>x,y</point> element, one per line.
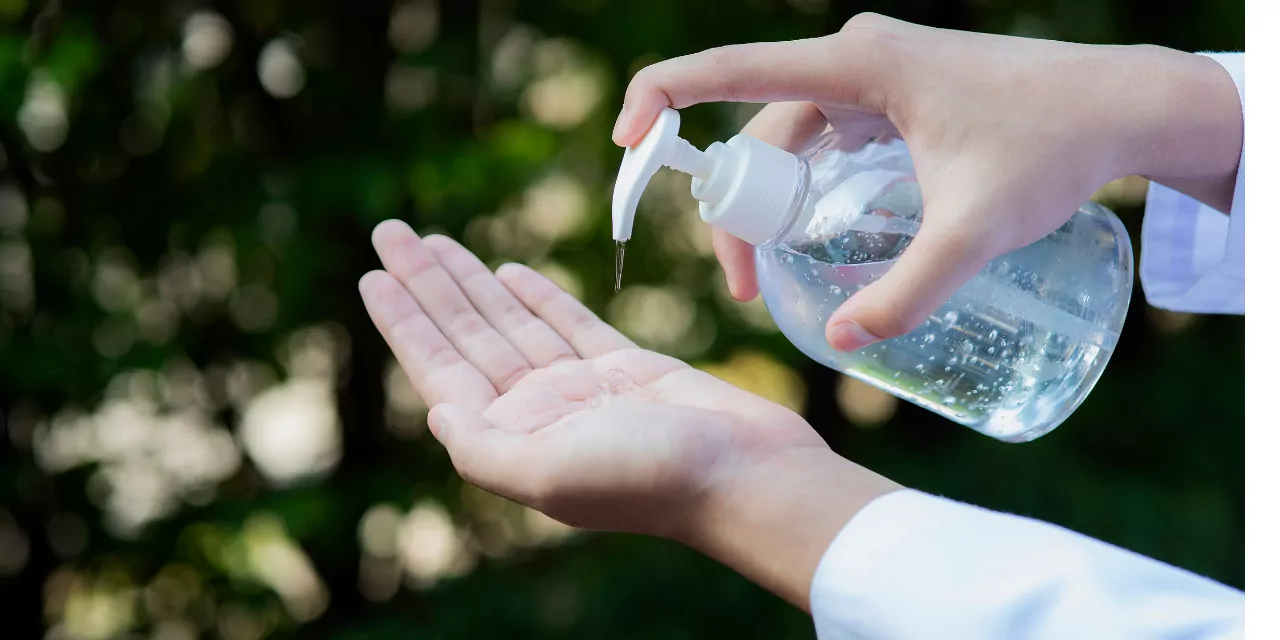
<point>1011,355</point>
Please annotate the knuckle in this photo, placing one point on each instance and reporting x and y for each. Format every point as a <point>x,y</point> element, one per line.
<point>892,325</point>
<point>722,56</point>
<point>871,31</point>
<point>863,20</point>
<point>577,318</point>
<point>517,321</point>
<point>643,80</point>
<point>887,318</point>
<point>873,45</point>
<point>722,60</point>
<point>469,324</point>
<point>441,356</point>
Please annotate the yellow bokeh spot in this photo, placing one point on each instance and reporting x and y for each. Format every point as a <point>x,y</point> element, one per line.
<point>864,405</point>
<point>762,375</point>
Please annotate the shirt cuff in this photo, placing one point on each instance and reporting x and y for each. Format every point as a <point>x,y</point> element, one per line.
<point>911,565</point>
<point>1192,254</point>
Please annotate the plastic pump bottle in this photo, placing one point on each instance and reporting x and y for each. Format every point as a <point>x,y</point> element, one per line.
<point>1011,355</point>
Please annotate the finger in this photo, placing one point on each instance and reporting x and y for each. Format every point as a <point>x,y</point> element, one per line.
<point>412,263</point>
<point>493,459</point>
<point>787,125</point>
<point>438,372</point>
<point>536,340</point>
<point>587,333</point>
<point>738,259</point>
<point>818,69</point>
<point>939,260</point>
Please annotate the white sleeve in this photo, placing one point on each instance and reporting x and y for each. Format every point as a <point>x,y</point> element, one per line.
<point>911,565</point>
<point>1192,254</point>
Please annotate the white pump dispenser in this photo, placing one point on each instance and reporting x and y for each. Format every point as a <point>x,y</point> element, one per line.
<point>745,186</point>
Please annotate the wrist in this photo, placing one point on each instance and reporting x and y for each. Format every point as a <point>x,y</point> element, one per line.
<point>772,520</point>
<point>1172,115</point>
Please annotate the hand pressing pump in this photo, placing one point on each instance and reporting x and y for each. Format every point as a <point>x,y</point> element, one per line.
<point>1011,354</point>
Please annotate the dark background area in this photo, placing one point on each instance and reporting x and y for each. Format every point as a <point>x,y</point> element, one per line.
<point>205,436</point>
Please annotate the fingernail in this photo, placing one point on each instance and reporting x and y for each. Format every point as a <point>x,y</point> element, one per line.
<point>620,124</point>
<point>850,336</point>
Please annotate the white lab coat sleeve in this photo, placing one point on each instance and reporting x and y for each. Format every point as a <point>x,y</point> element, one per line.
<point>911,565</point>
<point>1192,254</point>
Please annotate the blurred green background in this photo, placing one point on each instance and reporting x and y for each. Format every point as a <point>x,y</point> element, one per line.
<point>205,436</point>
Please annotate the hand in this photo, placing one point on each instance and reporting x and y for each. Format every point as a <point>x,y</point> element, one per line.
<point>514,368</point>
<point>1009,137</point>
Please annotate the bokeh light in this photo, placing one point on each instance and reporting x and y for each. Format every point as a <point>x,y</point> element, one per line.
<point>279,69</point>
<point>206,40</point>
<point>43,114</point>
<point>864,405</point>
<point>291,431</point>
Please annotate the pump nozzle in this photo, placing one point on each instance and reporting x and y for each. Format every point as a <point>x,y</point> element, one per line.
<point>661,146</point>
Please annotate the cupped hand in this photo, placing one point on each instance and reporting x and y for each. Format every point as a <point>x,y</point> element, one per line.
<point>536,399</point>
<point>1009,137</point>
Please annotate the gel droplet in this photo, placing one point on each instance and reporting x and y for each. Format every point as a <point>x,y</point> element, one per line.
<point>615,383</point>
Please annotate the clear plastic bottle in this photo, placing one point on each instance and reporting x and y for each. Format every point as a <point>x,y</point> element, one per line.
<point>1011,354</point>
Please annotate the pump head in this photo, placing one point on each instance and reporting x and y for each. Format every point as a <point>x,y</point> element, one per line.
<point>662,145</point>
<point>745,187</point>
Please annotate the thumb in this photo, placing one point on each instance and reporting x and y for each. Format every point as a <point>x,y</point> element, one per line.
<point>487,457</point>
<point>939,260</point>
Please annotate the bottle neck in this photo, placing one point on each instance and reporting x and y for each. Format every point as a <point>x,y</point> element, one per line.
<point>755,190</point>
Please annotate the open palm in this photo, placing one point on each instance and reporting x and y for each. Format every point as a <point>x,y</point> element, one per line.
<point>540,401</point>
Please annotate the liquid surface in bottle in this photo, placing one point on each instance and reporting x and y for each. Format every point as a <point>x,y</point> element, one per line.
<point>1010,355</point>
